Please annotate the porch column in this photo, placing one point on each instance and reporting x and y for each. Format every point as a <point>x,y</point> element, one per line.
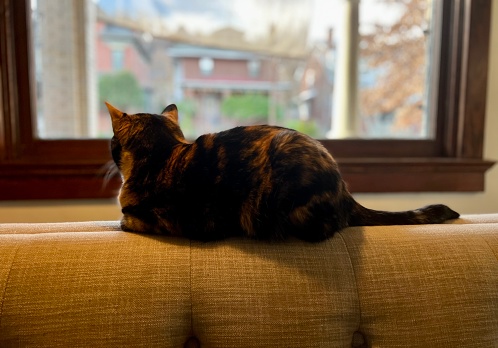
<point>68,78</point>
<point>344,116</point>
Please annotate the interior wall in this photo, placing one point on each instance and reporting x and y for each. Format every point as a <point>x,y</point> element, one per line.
<point>59,211</point>
<point>465,203</point>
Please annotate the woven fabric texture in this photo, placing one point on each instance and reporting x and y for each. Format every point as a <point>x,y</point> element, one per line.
<point>427,286</point>
<point>397,286</point>
<point>292,294</point>
<point>95,290</point>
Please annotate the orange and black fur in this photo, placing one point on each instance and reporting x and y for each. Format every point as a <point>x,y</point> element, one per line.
<point>262,182</point>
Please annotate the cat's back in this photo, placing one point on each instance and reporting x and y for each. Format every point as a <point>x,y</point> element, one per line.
<point>282,147</point>
<point>260,153</point>
<point>273,140</point>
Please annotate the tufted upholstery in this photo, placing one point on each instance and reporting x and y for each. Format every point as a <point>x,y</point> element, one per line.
<point>90,285</point>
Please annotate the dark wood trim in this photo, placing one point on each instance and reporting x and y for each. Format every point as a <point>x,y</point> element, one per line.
<point>24,114</point>
<point>450,72</point>
<point>31,168</point>
<point>414,174</point>
<point>463,83</point>
<point>67,151</point>
<point>473,83</point>
<point>56,183</point>
<point>8,87</point>
<point>66,181</point>
<point>379,148</point>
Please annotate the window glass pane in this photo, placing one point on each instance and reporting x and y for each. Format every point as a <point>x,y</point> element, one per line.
<point>234,62</point>
<point>396,94</point>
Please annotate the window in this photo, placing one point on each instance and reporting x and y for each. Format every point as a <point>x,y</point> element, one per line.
<point>118,59</point>
<point>366,64</point>
<point>442,154</point>
<point>254,67</point>
<point>206,65</point>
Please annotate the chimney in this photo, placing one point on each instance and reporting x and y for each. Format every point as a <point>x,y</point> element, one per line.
<point>330,38</point>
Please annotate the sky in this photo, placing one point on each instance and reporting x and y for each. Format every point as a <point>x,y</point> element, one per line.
<point>251,16</point>
<point>254,16</point>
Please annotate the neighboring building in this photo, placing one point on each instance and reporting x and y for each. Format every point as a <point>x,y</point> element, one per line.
<point>206,76</point>
<point>122,49</point>
<point>199,76</point>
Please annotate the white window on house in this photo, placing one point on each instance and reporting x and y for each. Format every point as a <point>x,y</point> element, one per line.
<point>206,66</point>
<point>117,60</point>
<point>254,67</point>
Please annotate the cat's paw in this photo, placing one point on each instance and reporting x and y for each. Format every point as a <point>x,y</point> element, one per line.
<point>132,224</point>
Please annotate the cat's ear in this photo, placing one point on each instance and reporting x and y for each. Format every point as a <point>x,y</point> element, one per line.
<point>171,111</point>
<point>118,119</point>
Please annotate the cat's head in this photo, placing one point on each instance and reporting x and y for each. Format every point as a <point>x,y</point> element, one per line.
<point>141,136</point>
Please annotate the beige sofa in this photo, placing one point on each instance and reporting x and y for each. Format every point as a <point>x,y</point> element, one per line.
<point>90,285</point>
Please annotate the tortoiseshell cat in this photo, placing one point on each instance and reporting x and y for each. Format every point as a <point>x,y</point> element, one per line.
<point>262,182</point>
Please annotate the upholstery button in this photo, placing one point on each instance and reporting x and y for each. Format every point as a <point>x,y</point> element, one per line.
<point>359,340</point>
<point>192,342</point>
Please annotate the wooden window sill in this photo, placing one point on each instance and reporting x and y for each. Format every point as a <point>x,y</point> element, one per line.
<point>26,181</point>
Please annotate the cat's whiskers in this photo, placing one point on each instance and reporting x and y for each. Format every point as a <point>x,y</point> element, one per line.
<point>109,171</point>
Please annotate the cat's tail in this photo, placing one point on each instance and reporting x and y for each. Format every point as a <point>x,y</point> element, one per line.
<point>431,214</point>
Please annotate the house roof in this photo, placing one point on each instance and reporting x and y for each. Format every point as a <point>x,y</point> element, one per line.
<point>193,51</point>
